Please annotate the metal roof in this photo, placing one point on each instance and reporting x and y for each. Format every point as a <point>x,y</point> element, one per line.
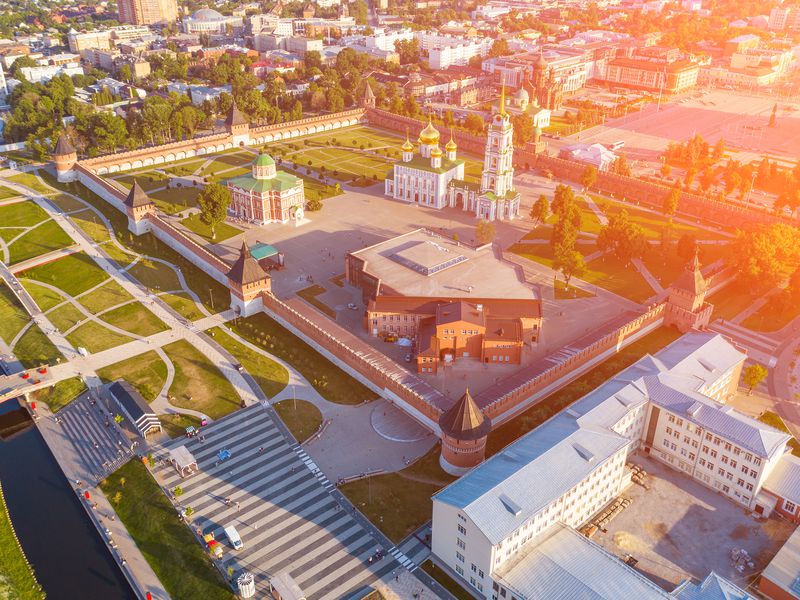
<point>130,399</point>
<point>784,481</point>
<point>713,587</point>
<point>562,564</point>
<point>784,569</point>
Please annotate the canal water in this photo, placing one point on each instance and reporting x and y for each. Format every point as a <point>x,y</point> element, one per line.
<point>67,553</point>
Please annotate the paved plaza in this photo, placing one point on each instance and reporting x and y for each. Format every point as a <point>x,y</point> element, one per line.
<point>283,506</point>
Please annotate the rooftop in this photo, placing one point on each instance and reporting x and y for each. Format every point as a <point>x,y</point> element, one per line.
<point>130,399</point>
<point>784,569</point>
<point>428,257</point>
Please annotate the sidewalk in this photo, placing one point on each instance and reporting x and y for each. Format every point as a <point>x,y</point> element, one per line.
<point>135,568</point>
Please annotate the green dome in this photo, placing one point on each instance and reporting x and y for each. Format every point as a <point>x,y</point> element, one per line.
<point>264,160</point>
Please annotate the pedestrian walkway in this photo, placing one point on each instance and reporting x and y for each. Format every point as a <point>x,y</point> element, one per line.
<point>759,347</point>
<point>282,505</point>
<point>97,439</point>
<point>648,276</point>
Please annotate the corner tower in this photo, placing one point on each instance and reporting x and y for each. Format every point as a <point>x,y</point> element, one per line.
<point>686,300</point>
<point>247,281</point>
<point>238,126</point>
<point>464,432</point>
<point>65,158</point>
<point>137,206</point>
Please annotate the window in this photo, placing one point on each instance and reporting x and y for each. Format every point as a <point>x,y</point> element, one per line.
<point>713,454</point>
<point>459,570</point>
<point>460,557</point>
<point>726,489</point>
<point>679,422</point>
<point>753,473</point>
<point>461,530</point>
<point>691,456</point>
<point>728,446</point>
<point>789,506</point>
<point>756,461</point>
<point>669,430</point>
<point>748,457</point>
<point>740,482</point>
<point>461,543</point>
<point>474,568</point>
<point>480,573</point>
<point>749,487</point>
<point>733,464</point>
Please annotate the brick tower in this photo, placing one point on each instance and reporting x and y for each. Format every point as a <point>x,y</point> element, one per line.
<point>247,281</point>
<point>137,206</point>
<point>686,301</point>
<point>238,126</point>
<point>369,97</point>
<point>65,158</point>
<point>464,431</point>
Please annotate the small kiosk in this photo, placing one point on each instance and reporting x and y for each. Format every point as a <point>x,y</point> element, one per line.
<point>183,461</point>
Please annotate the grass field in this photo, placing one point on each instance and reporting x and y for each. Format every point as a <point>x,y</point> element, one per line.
<point>223,230</point>
<point>730,301</point>
<point>563,292</point>
<point>155,275</point>
<point>21,214</point>
<point>91,224</point>
<point>313,188</point>
<point>182,304</point>
<point>149,180</point>
<point>559,400</point>
<point>167,544</point>
<point>135,318</point>
<point>446,581</point>
<point>107,295</point>
<point>65,317</point>
<point>175,424</point>
<point>34,348</point>
<point>328,379</point>
<point>74,274</point>
<point>67,203</point>
<point>57,396</point>
<point>6,193</point>
<point>30,180</point>
<point>174,200</point>
<point>12,314</point>
<point>17,579</point>
<point>779,310</point>
<point>271,376</point>
<point>310,294</point>
<point>183,168</point>
<point>301,417</point>
<point>667,266</point>
<point>9,233</point>
<point>95,338</point>
<point>198,384</point>
<point>45,298</point>
<point>608,272</point>
<point>146,372</point>
<point>398,503</point>
<point>40,240</point>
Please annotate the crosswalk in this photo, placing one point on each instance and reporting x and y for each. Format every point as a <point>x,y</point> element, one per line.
<point>760,347</point>
<point>281,504</point>
<point>90,428</point>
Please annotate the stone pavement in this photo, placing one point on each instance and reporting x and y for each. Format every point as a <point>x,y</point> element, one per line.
<point>760,347</point>
<point>111,529</point>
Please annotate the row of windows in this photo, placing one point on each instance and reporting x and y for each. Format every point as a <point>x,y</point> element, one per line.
<point>714,439</point>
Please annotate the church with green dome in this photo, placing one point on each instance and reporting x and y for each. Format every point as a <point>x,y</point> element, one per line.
<point>267,195</point>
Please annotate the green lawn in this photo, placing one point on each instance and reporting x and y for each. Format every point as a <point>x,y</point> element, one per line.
<point>779,310</point>
<point>184,168</point>
<point>135,318</point>
<point>149,180</point>
<point>45,298</point>
<point>271,376</point>
<point>667,266</point>
<point>198,384</point>
<point>310,294</point>
<point>174,200</point>
<point>775,420</point>
<point>300,416</point>
<point>30,180</point>
<point>107,295</point>
<point>91,224</point>
<point>398,503</point>
<point>182,304</point>
<point>223,230</point>
<point>328,379</point>
<point>313,188</point>
<point>559,400</point>
<point>96,338</point>
<point>65,317</point>
<point>176,557</point>
<point>222,162</point>
<point>146,372</point>
<point>175,424</point>
<point>563,292</point>
<point>17,579</point>
<point>67,203</point>
<point>21,214</point>
<point>57,396</point>
<point>122,258</point>
<point>6,193</point>
<point>40,240</point>
<point>34,349</point>
<point>9,233</point>
<point>541,253</point>
<point>155,275</point>
<point>74,274</point>
<point>12,314</point>
<point>446,581</point>
<point>608,272</point>
<point>730,301</point>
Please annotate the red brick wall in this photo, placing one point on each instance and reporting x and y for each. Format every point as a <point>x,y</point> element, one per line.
<point>772,591</point>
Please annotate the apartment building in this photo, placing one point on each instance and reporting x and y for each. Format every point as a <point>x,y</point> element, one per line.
<point>654,69</point>
<point>147,12</point>
<point>448,50</point>
<point>782,18</point>
<point>489,525</point>
<point>90,40</point>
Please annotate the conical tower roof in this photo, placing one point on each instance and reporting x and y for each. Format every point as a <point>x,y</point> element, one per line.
<point>246,269</point>
<point>63,146</point>
<point>137,196</point>
<point>368,94</point>
<point>464,420</point>
<point>691,280</point>
<point>235,116</point>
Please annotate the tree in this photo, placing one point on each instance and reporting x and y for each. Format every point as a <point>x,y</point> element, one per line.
<point>753,375</point>
<point>762,256</point>
<point>125,73</point>
<point>474,123</point>
<point>623,238</point>
<point>707,179</point>
<point>499,48</point>
<point>719,150</point>
<point>117,498</point>
<point>178,491</point>
<point>569,261</point>
<point>687,246</point>
<point>213,203</point>
<point>589,177</point>
<point>691,173</point>
<point>523,128</point>
<point>540,209</point>
<point>313,204</point>
<point>671,200</point>
<point>773,116</point>
<point>408,51</point>
<point>666,170</point>
<point>188,511</point>
<point>485,232</point>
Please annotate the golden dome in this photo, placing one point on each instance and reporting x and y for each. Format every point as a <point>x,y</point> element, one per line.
<point>436,152</point>
<point>451,145</point>
<point>407,146</point>
<point>429,135</point>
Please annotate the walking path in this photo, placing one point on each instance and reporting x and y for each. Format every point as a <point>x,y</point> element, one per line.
<point>648,276</point>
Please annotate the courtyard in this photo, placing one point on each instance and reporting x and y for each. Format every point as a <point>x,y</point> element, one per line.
<point>680,529</point>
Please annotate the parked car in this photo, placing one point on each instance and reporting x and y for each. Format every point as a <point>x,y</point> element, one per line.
<point>407,357</point>
<point>352,306</point>
<point>391,338</point>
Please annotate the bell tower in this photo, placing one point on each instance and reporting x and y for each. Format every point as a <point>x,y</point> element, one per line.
<point>498,160</point>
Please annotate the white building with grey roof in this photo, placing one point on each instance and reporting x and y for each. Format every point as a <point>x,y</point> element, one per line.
<point>488,524</point>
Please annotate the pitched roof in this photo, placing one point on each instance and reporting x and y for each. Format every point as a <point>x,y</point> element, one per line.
<point>64,146</point>
<point>131,399</point>
<point>784,569</point>
<point>235,116</point>
<point>784,481</point>
<point>460,310</point>
<point>713,587</point>
<point>137,196</point>
<point>281,182</point>
<point>691,279</point>
<point>464,420</point>
<point>246,269</point>
<point>368,94</point>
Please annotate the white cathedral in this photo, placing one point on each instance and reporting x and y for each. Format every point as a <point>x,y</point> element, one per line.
<point>436,179</point>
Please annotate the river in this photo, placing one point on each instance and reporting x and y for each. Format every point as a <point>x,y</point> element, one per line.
<point>67,553</point>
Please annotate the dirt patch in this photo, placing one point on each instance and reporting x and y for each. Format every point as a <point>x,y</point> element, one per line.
<point>741,532</point>
<point>629,542</point>
<point>656,530</point>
